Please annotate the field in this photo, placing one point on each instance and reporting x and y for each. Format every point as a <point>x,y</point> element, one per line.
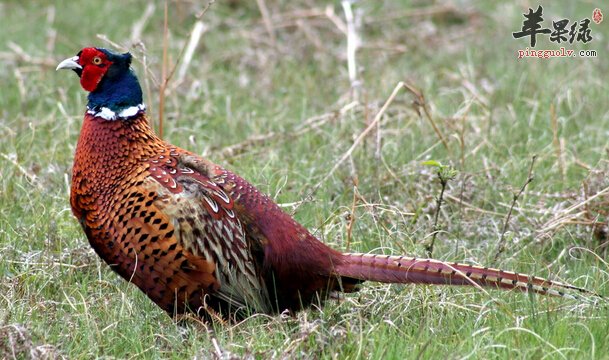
<point>268,92</point>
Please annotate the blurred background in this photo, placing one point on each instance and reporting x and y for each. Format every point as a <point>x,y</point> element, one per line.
<point>279,91</point>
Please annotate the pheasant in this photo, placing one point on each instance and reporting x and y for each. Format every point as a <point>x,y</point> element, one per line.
<point>195,237</point>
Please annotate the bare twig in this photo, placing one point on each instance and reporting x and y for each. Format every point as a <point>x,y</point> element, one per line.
<point>420,102</point>
<point>378,143</point>
<point>338,22</point>
<point>217,349</point>
<point>501,245</point>
<point>429,247</point>
<point>138,26</point>
<point>267,21</point>
<point>354,176</point>
<point>167,77</point>
<point>148,75</point>
<point>20,83</point>
<point>361,136</point>
<point>22,55</point>
<point>51,35</point>
<point>353,42</point>
<point>352,215</point>
<point>115,45</point>
<point>202,12</point>
<point>312,36</point>
<point>195,36</point>
<point>556,141</point>
<point>163,73</point>
<point>31,178</point>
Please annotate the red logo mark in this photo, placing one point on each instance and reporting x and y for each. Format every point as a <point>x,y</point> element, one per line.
<point>597,16</point>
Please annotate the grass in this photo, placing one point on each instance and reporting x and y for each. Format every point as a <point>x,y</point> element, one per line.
<point>58,300</point>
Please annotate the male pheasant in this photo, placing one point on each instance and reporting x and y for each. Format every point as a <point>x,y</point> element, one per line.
<point>196,237</point>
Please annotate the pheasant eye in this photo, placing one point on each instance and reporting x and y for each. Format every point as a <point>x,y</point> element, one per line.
<point>97,60</point>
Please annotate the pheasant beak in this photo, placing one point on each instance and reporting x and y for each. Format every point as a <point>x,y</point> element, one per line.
<point>70,64</point>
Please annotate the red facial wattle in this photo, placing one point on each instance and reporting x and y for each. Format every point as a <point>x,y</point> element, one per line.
<point>94,64</point>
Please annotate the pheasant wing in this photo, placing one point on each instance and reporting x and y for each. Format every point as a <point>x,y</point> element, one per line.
<point>205,225</point>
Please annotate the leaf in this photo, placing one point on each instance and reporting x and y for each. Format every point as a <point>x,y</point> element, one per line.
<point>432,163</point>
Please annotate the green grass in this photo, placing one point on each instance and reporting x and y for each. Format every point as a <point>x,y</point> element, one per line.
<point>57,298</point>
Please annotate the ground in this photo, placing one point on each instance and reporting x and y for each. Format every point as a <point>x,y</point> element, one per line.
<point>267,93</point>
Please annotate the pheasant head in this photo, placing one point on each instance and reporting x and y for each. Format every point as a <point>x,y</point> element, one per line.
<point>114,91</point>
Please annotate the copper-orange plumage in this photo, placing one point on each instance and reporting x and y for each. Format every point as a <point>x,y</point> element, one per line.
<point>195,237</point>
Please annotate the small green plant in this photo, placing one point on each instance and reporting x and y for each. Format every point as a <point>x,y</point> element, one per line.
<point>445,174</point>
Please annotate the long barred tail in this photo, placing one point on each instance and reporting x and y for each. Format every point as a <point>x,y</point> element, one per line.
<point>401,269</point>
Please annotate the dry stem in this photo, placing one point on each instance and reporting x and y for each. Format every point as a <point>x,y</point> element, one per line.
<point>556,141</point>
<point>501,245</point>
<point>163,75</point>
<point>420,101</point>
<point>361,136</point>
<point>267,21</point>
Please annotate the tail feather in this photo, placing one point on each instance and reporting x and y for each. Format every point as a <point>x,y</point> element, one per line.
<point>401,269</point>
